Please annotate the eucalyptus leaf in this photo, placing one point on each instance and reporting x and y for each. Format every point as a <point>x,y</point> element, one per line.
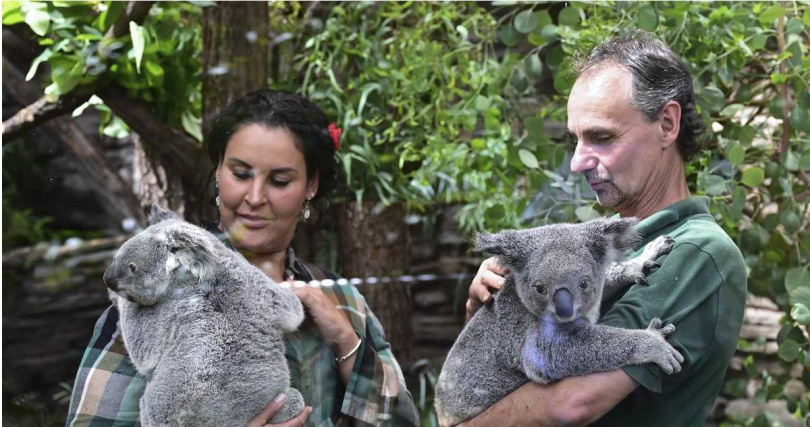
<point>770,14</point>
<point>529,159</point>
<point>736,155</point>
<point>526,21</point>
<point>569,16</point>
<point>647,18</point>
<point>753,177</point>
<point>37,17</point>
<point>138,35</point>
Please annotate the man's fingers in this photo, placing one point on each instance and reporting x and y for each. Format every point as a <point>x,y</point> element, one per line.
<point>491,264</point>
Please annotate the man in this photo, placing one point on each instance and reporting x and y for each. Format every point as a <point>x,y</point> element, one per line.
<point>632,112</point>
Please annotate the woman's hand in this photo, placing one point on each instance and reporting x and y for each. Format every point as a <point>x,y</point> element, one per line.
<point>333,326</point>
<point>272,409</point>
<point>489,278</point>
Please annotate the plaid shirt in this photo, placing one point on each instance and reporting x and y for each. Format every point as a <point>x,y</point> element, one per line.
<point>108,388</point>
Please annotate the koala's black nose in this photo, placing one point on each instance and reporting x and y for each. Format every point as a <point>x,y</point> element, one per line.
<point>109,279</point>
<point>563,303</point>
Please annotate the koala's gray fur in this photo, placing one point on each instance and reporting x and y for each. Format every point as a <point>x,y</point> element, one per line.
<point>541,325</point>
<point>203,326</point>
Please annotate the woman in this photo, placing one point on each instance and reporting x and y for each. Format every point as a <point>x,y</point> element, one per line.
<point>275,156</point>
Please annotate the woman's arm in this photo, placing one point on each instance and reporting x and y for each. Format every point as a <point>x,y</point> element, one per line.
<point>108,388</point>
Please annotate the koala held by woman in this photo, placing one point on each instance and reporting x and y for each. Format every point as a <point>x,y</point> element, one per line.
<point>203,326</point>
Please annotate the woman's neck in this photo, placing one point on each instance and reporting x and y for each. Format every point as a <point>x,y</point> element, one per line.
<point>272,264</point>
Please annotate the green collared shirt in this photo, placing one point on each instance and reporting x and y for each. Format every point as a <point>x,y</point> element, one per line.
<point>108,388</point>
<point>700,288</point>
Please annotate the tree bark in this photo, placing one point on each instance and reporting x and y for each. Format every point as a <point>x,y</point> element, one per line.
<point>119,200</point>
<point>378,245</point>
<point>235,53</point>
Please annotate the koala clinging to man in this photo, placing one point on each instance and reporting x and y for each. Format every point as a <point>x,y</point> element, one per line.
<point>541,325</point>
<point>203,326</point>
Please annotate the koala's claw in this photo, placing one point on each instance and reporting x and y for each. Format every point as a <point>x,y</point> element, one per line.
<point>664,355</point>
<point>648,267</point>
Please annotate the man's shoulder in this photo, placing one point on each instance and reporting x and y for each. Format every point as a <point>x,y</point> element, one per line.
<point>705,234</point>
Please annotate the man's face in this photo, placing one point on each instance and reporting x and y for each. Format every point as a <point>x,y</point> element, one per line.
<point>617,147</point>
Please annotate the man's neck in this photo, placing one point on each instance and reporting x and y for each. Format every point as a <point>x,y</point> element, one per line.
<point>662,191</point>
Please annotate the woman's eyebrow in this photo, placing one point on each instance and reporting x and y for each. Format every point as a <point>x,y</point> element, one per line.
<point>240,162</point>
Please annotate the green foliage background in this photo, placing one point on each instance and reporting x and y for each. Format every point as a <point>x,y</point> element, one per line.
<point>464,103</point>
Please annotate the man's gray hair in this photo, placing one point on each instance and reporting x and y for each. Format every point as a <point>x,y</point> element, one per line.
<point>659,76</point>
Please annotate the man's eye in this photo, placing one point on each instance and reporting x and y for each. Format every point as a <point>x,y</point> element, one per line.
<point>603,139</point>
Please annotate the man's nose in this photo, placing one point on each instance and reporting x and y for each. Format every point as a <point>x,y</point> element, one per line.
<point>583,159</point>
<point>109,279</point>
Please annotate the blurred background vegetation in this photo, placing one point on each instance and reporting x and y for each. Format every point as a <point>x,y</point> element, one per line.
<point>442,104</point>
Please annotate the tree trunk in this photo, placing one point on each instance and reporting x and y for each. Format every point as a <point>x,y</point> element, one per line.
<point>235,53</point>
<point>378,245</point>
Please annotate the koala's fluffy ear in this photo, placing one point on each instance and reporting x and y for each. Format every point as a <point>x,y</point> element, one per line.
<point>158,214</point>
<point>612,238</point>
<point>506,245</point>
<point>190,253</point>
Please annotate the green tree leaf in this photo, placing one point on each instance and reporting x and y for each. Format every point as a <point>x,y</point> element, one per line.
<point>139,35</point>
<point>801,314</point>
<point>770,14</point>
<point>12,13</point>
<point>753,177</point>
<point>789,350</point>
<point>800,120</point>
<point>647,18</point>
<point>528,158</point>
<point>796,278</point>
<point>526,21</point>
<point>37,17</point>
<point>586,213</point>
<point>44,56</point>
<point>533,65</point>
<point>508,35</point>
<point>736,155</point>
<point>569,16</point>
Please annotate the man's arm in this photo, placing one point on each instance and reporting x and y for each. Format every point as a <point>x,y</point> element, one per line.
<point>570,401</point>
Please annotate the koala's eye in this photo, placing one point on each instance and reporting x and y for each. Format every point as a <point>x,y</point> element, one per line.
<point>584,283</point>
<point>174,249</point>
<point>132,267</point>
<point>539,288</point>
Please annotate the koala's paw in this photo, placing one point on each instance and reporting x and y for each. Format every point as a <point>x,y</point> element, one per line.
<point>660,246</point>
<point>657,350</point>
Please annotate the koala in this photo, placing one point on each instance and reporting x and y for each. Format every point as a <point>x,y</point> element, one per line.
<point>203,326</point>
<point>541,325</point>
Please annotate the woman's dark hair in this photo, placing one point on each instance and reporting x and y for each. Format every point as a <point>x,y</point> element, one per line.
<point>659,76</point>
<point>306,122</point>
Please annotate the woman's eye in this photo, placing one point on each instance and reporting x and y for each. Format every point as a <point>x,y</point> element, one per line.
<point>240,175</point>
<point>279,182</point>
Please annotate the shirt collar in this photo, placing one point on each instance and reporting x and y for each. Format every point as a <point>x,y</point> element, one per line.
<point>292,266</point>
<point>672,214</point>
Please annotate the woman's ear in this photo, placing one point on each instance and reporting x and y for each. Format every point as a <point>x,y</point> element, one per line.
<point>312,185</point>
<point>670,119</point>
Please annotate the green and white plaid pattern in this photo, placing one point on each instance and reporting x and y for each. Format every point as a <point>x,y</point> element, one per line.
<point>108,389</point>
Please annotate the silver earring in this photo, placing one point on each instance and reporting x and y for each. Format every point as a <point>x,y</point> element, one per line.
<point>306,210</point>
<point>216,200</point>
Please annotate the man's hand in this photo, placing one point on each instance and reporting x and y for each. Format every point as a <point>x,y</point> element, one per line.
<point>489,278</point>
<point>272,409</point>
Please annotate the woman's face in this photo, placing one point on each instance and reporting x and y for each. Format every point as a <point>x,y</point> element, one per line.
<point>262,188</point>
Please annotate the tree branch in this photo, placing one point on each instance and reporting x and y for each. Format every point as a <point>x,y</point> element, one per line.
<point>187,155</point>
<point>42,110</point>
<point>119,200</point>
<point>784,144</point>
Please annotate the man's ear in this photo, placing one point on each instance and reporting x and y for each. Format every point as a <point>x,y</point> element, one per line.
<point>609,239</point>
<point>506,245</point>
<point>670,119</point>
<point>159,214</point>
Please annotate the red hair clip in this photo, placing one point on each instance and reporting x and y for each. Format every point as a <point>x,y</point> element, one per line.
<point>335,132</point>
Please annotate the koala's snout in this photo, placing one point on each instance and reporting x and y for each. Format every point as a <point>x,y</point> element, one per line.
<point>563,303</point>
<point>109,279</point>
